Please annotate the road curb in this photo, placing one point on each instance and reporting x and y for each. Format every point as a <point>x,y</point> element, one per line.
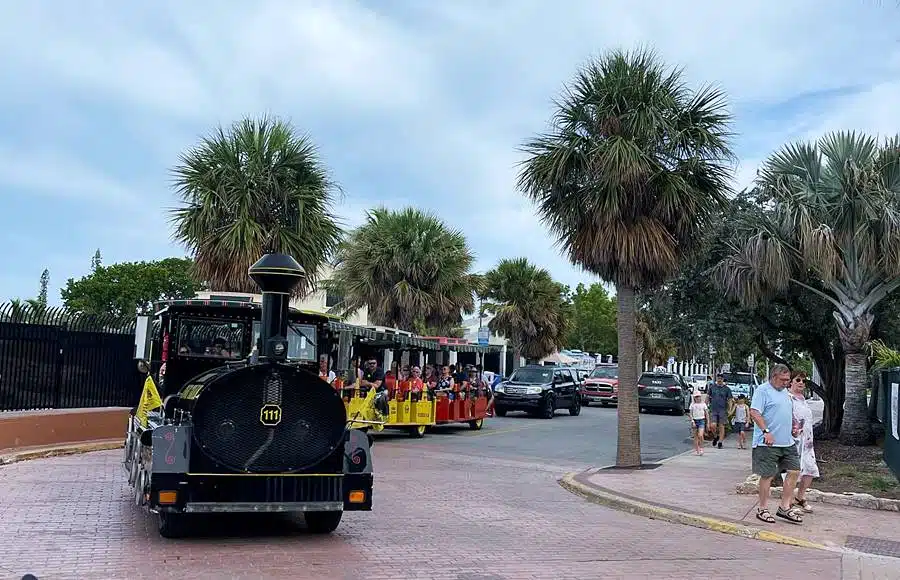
<point>611,499</point>
<point>59,450</point>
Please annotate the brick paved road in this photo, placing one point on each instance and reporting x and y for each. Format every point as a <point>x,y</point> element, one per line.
<point>83,525</point>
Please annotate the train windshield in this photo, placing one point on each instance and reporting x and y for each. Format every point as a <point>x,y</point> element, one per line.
<point>301,341</point>
<point>204,338</point>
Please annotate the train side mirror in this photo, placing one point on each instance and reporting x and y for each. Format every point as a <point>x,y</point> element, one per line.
<point>143,337</point>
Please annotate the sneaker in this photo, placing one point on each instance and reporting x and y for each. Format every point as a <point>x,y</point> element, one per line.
<point>715,441</point>
<point>720,444</point>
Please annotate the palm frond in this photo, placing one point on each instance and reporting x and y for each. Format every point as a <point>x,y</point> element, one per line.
<point>259,187</point>
<point>408,268</point>
<point>633,167</point>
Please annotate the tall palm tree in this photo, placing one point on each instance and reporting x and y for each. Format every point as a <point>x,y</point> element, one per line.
<point>409,269</point>
<point>528,308</point>
<point>835,213</point>
<point>260,187</point>
<point>626,178</point>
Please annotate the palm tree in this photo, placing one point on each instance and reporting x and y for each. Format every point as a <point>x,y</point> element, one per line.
<point>626,178</point>
<point>528,308</point>
<point>258,188</point>
<point>835,214</point>
<point>409,269</point>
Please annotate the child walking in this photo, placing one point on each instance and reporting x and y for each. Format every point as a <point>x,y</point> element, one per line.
<point>741,422</point>
<point>699,415</point>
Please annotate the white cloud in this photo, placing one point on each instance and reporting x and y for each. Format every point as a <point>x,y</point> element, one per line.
<point>56,174</point>
<point>431,99</point>
<point>873,111</point>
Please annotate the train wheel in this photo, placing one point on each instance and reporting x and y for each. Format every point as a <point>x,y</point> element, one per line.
<point>476,425</point>
<point>171,525</point>
<point>322,522</point>
<point>417,432</point>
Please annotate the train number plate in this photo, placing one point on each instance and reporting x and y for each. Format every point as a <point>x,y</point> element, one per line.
<point>270,415</point>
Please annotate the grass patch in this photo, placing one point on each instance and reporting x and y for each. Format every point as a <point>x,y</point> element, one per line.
<point>854,469</point>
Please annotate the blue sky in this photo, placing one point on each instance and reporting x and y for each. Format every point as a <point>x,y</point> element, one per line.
<point>410,102</point>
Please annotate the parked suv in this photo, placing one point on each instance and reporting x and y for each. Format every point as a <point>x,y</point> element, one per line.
<point>539,390</point>
<point>741,383</point>
<point>602,386</point>
<point>662,390</point>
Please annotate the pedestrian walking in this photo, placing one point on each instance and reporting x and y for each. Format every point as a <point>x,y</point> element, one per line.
<point>741,423</point>
<point>718,396</point>
<point>803,419</point>
<point>774,448</point>
<point>699,415</point>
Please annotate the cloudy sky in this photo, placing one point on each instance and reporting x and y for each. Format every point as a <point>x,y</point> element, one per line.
<point>410,102</point>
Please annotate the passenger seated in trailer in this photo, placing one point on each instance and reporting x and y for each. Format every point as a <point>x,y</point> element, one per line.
<point>431,376</point>
<point>390,379</point>
<point>402,383</point>
<point>483,388</point>
<point>445,383</point>
<point>416,384</point>
<point>459,375</point>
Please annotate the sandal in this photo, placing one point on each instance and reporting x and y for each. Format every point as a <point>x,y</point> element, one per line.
<point>802,504</point>
<point>763,515</point>
<point>790,515</point>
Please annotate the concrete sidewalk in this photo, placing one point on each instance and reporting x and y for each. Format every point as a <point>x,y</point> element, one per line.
<point>701,491</point>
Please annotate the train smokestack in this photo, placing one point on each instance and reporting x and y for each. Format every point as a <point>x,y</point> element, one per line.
<point>276,275</point>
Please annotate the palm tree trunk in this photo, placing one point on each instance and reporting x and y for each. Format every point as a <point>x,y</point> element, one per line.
<point>855,428</point>
<point>854,334</point>
<point>628,452</point>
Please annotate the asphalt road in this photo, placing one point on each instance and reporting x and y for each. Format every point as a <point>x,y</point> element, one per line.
<point>586,440</point>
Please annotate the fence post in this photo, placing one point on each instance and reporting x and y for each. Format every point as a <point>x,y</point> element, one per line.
<point>61,333</point>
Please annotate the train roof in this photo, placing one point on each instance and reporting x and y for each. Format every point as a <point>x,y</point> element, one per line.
<point>194,303</point>
<point>371,336</point>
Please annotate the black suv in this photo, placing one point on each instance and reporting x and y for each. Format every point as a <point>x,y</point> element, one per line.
<point>539,390</point>
<point>664,390</point>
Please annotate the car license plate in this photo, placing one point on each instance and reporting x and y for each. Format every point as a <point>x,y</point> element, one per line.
<point>515,391</point>
<point>596,399</point>
<point>656,395</point>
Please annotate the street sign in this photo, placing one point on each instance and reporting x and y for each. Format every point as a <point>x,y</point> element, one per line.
<point>671,360</point>
<point>484,336</point>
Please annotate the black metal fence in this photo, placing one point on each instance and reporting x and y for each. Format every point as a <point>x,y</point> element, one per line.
<point>890,393</point>
<point>51,358</point>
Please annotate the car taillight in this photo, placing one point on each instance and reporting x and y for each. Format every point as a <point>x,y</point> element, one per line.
<point>641,387</point>
<point>674,389</point>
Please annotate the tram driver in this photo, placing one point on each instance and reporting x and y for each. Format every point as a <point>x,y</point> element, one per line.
<point>373,378</point>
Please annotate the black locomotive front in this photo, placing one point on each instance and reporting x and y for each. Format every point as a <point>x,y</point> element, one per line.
<point>266,436</point>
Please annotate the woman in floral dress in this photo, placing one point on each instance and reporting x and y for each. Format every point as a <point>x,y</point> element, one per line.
<point>803,423</point>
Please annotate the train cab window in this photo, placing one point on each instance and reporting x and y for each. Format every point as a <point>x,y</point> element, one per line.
<point>210,339</point>
<point>301,341</point>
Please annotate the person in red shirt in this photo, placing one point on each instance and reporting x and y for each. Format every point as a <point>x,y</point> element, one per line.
<point>416,384</point>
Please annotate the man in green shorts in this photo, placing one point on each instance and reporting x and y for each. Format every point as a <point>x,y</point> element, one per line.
<point>774,448</point>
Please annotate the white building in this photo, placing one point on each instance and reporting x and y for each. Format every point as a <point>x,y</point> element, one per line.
<point>317,301</point>
<point>471,327</point>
